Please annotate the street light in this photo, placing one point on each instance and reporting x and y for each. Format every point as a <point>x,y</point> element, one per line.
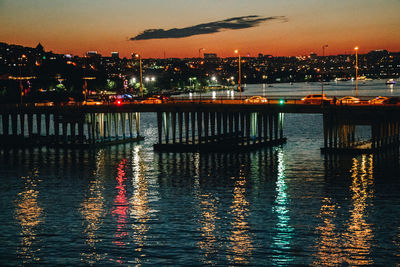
<point>240,75</point>
<point>201,49</point>
<point>141,73</point>
<point>192,79</point>
<point>322,77</point>
<point>23,56</point>
<point>356,49</point>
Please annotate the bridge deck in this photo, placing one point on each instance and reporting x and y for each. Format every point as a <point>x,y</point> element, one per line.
<point>215,105</point>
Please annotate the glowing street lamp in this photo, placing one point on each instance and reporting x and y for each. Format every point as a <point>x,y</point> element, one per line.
<point>356,49</point>
<point>201,49</point>
<point>141,74</point>
<point>23,56</point>
<point>322,77</point>
<point>240,75</point>
<point>192,79</point>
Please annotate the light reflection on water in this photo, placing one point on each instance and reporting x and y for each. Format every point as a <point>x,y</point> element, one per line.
<point>328,247</point>
<point>353,245</point>
<point>29,215</point>
<point>241,243</point>
<point>359,234</point>
<point>93,211</point>
<point>283,231</point>
<point>126,205</point>
<point>139,202</point>
<point>207,228</point>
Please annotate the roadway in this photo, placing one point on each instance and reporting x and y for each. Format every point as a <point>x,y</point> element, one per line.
<point>282,104</point>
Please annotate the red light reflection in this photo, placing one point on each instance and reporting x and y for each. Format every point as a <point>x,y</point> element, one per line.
<point>120,209</point>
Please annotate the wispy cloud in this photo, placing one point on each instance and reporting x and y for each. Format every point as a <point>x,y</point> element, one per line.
<point>207,28</point>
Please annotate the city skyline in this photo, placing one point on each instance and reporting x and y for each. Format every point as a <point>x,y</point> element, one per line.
<point>180,28</point>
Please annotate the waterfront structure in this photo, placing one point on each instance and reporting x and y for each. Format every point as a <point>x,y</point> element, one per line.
<point>206,124</point>
<point>210,128</point>
<point>74,126</point>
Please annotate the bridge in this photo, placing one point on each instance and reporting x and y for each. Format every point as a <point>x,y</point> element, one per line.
<point>196,124</point>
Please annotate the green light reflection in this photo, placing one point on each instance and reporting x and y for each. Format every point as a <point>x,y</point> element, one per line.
<point>283,231</point>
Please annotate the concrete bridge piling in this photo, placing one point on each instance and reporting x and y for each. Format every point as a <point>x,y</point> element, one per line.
<point>59,127</point>
<point>216,130</point>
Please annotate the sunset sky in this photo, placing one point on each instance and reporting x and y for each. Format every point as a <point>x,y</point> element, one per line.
<point>277,27</point>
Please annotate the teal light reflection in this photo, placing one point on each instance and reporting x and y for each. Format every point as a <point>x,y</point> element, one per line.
<point>283,231</point>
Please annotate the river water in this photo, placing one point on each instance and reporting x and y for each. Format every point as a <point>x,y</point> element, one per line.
<point>127,205</point>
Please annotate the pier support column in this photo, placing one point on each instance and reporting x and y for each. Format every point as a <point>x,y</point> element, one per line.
<point>22,123</point>
<point>64,131</point>
<point>30,125</point>
<point>276,125</point>
<point>212,126</point>
<point>39,123</point>
<point>73,131</point>
<point>271,127</point>
<point>281,116</point>
<point>123,125</point>
<point>159,126</point>
<point>193,124</point>
<point>137,120</point>
<point>242,128</point>
<point>206,121</point>
<point>230,123</point>
<point>165,123</point>
<point>130,124</point>
<point>186,114</point>
<point>173,119</point>
<point>265,126</point>
<point>219,126</point>
<point>80,131</point>
<point>47,124</point>
<point>225,124</point>
<point>14,124</point>
<point>236,122</point>
<point>199,126</point>
<point>180,126</point>
<point>259,127</point>
<point>248,137</point>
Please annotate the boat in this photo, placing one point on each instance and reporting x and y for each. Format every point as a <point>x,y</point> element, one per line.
<point>391,81</point>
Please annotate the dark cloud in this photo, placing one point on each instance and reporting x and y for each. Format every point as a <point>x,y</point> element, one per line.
<point>207,28</point>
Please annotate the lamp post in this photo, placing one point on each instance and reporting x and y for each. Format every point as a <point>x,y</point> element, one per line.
<point>141,73</point>
<point>322,77</point>
<point>200,49</point>
<point>356,49</point>
<point>20,76</point>
<point>240,75</point>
